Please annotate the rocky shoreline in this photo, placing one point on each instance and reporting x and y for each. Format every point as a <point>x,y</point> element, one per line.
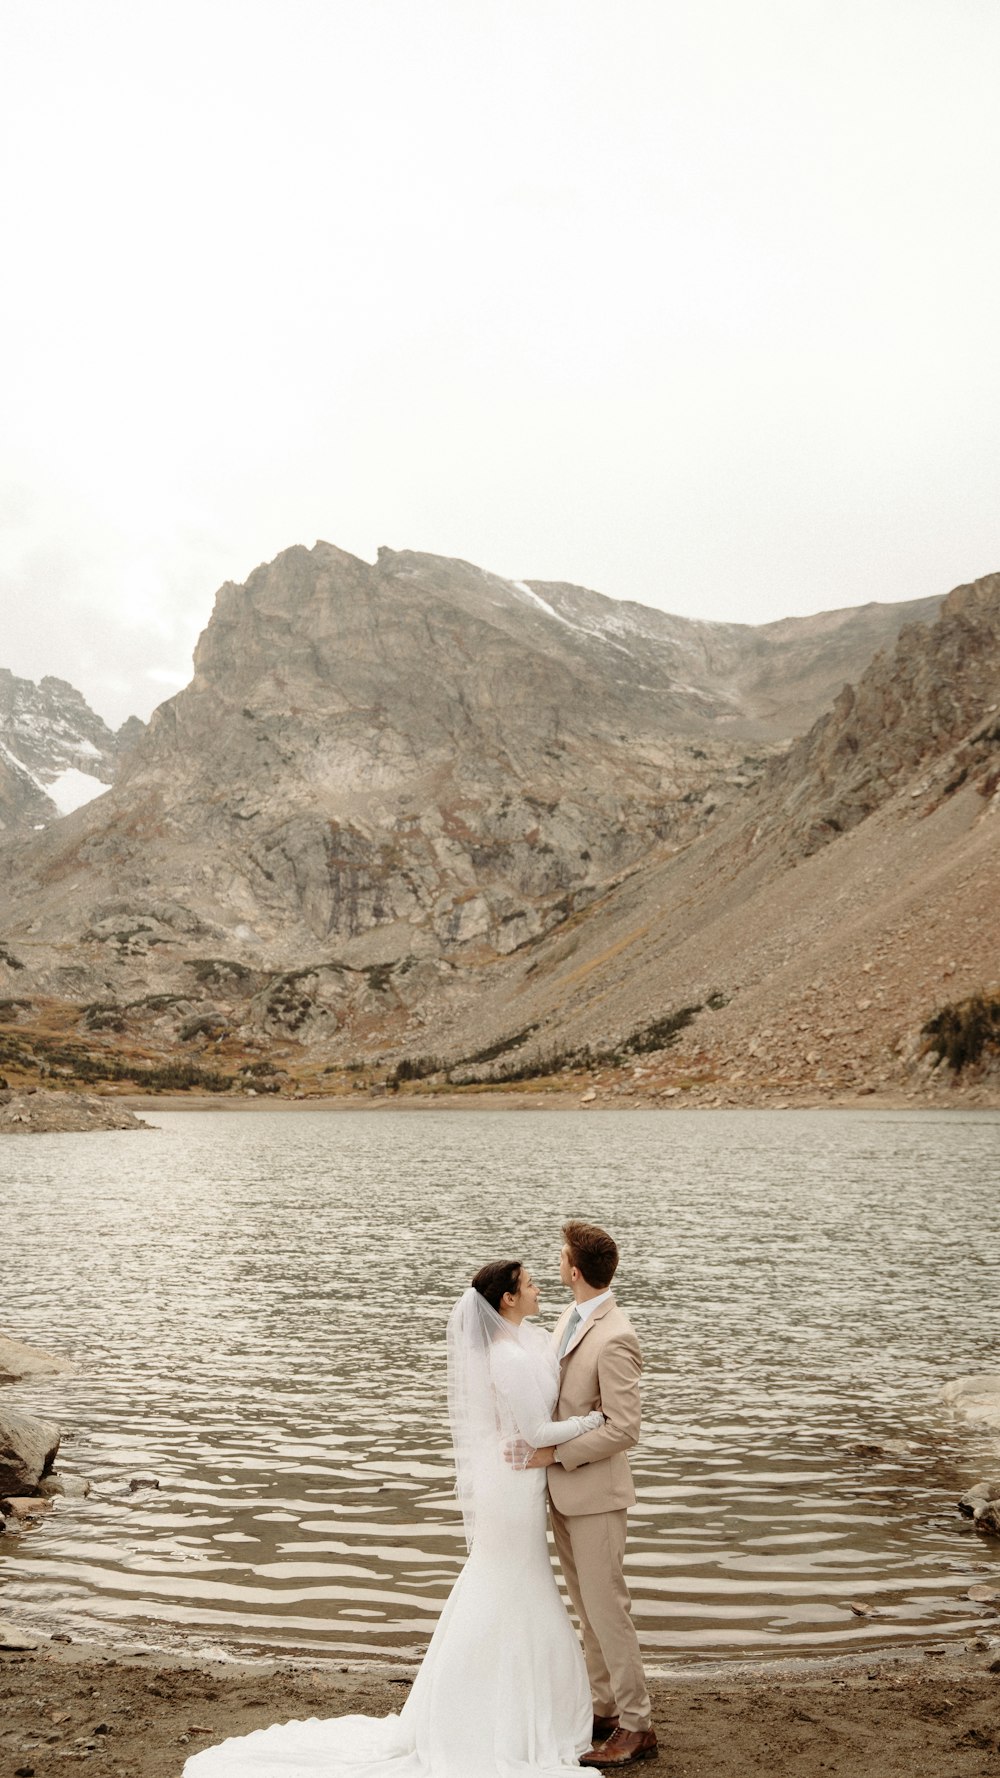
<point>140,1715</point>
<point>560,1096</point>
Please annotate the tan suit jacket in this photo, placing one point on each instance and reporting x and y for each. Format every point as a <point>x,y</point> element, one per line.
<point>599,1369</point>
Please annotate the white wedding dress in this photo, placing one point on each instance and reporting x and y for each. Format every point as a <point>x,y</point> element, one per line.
<point>502,1691</point>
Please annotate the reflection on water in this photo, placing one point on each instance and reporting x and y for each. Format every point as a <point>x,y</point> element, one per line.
<point>257,1305</point>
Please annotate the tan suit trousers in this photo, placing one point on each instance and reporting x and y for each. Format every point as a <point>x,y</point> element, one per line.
<point>591,1548</point>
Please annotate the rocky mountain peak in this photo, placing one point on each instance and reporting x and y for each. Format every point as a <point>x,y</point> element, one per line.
<point>976,599</point>
<point>396,791</point>
<point>922,702</point>
<point>55,752</point>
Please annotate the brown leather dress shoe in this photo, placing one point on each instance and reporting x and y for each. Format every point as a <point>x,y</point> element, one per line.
<point>604,1726</point>
<point>622,1748</point>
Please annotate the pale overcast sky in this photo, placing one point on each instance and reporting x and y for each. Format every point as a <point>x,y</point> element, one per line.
<point>691,301</point>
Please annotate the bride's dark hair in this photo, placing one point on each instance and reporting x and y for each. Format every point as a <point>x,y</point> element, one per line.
<point>494,1280</point>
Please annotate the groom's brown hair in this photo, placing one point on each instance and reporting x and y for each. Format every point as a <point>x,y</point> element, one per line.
<point>592,1252</point>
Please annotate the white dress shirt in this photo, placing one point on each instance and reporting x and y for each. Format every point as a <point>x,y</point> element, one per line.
<point>586,1309</point>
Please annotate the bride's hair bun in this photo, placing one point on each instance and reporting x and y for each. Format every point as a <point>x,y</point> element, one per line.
<point>494,1280</point>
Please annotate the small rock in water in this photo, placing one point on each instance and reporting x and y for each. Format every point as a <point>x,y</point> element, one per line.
<point>30,1506</point>
<point>20,1362</point>
<point>142,1481</point>
<point>976,1499</point>
<point>12,1638</point>
<point>984,1595</point>
<point>71,1487</point>
<point>861,1610</point>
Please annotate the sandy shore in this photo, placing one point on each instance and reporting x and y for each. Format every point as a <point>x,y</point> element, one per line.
<point>351,1102</point>
<point>922,1715</point>
<point>552,1099</point>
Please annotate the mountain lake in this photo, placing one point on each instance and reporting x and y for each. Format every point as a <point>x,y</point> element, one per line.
<point>256,1306</point>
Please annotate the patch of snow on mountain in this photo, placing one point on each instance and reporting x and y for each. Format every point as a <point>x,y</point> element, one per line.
<point>599,635</point>
<point>522,586</point>
<point>72,789</point>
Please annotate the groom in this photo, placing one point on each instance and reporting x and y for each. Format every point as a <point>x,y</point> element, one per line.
<point>590,1487</point>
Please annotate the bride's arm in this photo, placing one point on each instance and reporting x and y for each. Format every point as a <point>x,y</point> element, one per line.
<point>515,1379</point>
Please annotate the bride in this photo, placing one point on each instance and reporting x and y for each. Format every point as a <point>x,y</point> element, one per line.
<point>502,1691</point>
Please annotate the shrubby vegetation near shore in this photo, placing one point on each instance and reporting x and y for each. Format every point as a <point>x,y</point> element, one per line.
<point>965,1032</point>
<point>486,1067</point>
<point>43,1057</point>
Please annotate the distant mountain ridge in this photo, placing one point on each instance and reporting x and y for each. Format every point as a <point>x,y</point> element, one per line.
<point>758,681</point>
<point>796,950</point>
<point>412,810</point>
<point>55,751</point>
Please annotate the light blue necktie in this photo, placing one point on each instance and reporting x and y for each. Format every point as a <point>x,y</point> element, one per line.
<point>569,1330</point>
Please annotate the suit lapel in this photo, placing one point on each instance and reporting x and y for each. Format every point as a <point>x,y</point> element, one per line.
<point>585,1327</point>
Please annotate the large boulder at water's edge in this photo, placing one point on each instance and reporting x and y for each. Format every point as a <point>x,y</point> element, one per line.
<point>19,1361</point>
<point>27,1452</point>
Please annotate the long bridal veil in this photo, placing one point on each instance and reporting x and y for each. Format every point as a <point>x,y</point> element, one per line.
<point>489,1448</point>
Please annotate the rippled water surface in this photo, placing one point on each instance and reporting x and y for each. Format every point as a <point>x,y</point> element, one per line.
<point>256,1303</point>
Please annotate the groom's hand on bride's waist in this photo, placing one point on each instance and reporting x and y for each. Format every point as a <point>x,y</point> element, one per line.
<point>541,1458</point>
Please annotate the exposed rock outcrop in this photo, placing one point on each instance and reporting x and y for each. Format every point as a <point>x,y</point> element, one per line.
<point>933,702</point>
<point>42,1113</point>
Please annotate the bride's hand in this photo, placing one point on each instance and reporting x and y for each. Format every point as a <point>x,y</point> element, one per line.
<point>517,1452</point>
<point>541,1458</point>
<point>591,1422</point>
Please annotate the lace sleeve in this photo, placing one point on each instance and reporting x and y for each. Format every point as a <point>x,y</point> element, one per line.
<point>514,1379</point>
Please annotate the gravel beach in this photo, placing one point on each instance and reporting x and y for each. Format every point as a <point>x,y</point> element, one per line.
<point>924,1715</point>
